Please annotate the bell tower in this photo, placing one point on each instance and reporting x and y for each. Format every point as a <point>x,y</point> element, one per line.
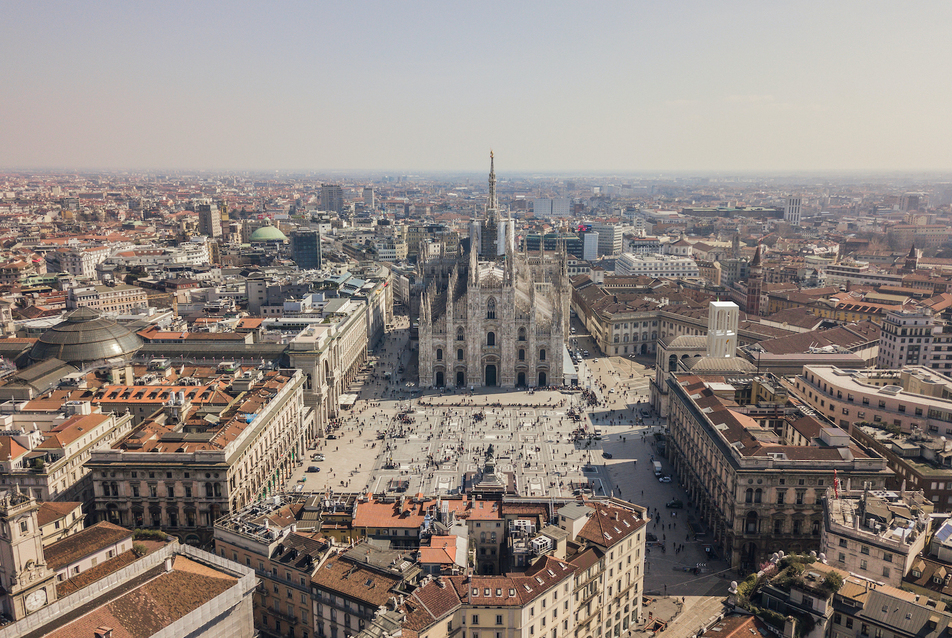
<point>28,583</point>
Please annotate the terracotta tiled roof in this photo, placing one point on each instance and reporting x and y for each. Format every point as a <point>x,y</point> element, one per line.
<point>10,449</point>
<point>353,581</point>
<point>72,429</point>
<point>54,510</point>
<point>608,524</point>
<point>442,550</point>
<point>83,543</point>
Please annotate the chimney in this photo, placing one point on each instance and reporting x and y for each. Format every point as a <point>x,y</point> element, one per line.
<point>789,627</point>
<point>103,632</point>
<point>168,565</point>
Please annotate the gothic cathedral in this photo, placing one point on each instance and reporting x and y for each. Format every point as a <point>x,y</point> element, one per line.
<point>501,321</point>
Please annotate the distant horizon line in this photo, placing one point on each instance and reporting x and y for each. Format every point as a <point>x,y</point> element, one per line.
<point>932,172</point>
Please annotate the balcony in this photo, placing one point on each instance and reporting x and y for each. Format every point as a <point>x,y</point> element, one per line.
<point>282,615</point>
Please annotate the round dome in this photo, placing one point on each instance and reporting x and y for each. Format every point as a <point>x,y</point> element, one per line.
<point>268,233</point>
<point>83,337</point>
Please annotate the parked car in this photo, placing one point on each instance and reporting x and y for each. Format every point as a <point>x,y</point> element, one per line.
<point>312,469</point>
<point>651,537</point>
<point>606,455</point>
<point>317,457</point>
<point>664,479</point>
<point>674,504</point>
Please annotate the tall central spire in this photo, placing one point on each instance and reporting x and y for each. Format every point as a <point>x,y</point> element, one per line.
<point>493,204</point>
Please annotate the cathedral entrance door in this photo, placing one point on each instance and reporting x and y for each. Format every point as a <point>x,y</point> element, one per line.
<point>521,380</point>
<point>490,375</point>
<point>644,348</point>
<point>542,380</point>
<point>460,379</point>
<point>440,381</point>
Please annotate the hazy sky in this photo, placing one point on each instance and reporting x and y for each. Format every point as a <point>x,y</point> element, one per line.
<point>413,86</point>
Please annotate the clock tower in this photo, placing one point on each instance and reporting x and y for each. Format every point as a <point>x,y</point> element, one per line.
<point>28,584</point>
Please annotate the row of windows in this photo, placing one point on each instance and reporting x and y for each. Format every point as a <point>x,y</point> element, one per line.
<point>490,341</point>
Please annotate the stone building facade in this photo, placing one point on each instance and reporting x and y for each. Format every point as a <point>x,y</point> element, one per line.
<point>499,322</point>
<point>757,492</point>
<point>496,324</point>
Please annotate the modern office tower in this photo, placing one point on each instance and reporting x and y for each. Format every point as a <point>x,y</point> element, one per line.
<point>332,197</point>
<point>306,248</point>
<point>791,213</point>
<point>369,200</point>
<point>542,208</point>
<point>559,207</point>
<point>209,220</point>
<point>590,246</point>
<point>562,207</point>
<point>912,201</point>
<point>610,237</point>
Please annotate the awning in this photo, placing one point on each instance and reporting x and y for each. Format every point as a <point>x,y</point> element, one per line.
<point>347,400</point>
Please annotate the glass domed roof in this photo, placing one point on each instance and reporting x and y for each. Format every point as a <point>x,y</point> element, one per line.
<point>85,336</point>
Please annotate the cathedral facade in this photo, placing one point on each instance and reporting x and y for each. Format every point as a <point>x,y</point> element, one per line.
<point>496,322</point>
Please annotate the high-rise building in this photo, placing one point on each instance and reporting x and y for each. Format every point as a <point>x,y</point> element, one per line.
<point>369,199</point>
<point>911,201</point>
<point>610,237</point>
<point>791,213</point>
<point>209,220</point>
<point>590,246</point>
<point>332,197</point>
<point>559,207</point>
<point>306,248</point>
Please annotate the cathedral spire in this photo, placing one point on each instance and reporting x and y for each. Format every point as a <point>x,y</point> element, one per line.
<point>493,203</point>
<point>473,267</point>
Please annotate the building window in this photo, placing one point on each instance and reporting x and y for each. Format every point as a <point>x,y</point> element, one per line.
<point>522,334</point>
<point>491,339</point>
<point>542,354</point>
<point>459,334</point>
<point>864,550</point>
<point>522,354</point>
<point>491,309</point>
<point>459,354</point>
<point>781,494</point>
